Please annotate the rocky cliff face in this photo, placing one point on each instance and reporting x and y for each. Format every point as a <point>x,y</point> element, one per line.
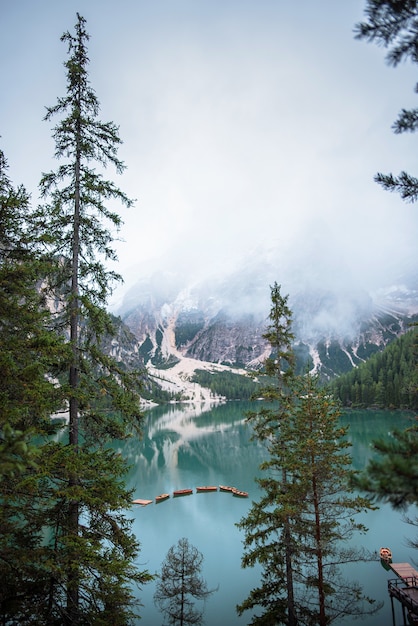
<point>123,346</point>
<point>223,322</point>
<point>237,342</point>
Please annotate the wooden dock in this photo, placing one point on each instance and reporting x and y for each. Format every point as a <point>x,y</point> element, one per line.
<point>404,571</point>
<point>405,589</point>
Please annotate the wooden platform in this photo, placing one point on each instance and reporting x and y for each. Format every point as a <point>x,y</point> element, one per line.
<point>404,571</point>
<point>405,589</point>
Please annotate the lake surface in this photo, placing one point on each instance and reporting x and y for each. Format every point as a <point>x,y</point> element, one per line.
<point>186,446</point>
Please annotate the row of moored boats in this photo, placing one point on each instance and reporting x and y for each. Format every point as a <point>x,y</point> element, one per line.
<point>187,492</point>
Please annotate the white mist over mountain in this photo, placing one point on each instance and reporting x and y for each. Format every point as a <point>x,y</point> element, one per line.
<point>252,132</point>
<point>329,294</point>
<point>364,255</point>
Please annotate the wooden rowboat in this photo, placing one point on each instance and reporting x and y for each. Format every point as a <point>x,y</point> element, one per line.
<point>204,489</point>
<point>225,488</point>
<point>386,555</point>
<point>239,494</point>
<point>182,492</point>
<point>141,502</point>
<point>162,497</point>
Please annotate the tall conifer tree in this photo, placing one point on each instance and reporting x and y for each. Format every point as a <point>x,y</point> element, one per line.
<point>268,423</point>
<point>295,531</point>
<point>326,522</point>
<point>92,548</point>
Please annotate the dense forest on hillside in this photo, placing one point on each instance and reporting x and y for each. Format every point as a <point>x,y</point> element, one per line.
<point>388,379</point>
<point>231,386</point>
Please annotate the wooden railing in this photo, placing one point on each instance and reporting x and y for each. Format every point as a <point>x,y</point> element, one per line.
<point>401,588</point>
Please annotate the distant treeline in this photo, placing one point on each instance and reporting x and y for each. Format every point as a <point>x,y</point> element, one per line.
<point>231,386</point>
<point>388,379</point>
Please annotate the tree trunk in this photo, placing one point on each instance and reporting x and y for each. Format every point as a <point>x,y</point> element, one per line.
<point>183,567</point>
<point>319,557</point>
<point>289,568</point>
<point>73,593</point>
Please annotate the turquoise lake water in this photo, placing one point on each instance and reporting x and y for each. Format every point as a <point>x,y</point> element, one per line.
<point>187,446</point>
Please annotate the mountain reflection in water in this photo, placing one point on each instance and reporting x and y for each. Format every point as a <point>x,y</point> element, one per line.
<point>185,446</point>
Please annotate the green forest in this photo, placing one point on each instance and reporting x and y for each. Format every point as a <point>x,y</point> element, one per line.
<point>388,379</point>
<point>231,386</point>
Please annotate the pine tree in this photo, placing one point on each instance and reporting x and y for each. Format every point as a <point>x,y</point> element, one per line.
<point>28,349</point>
<point>268,425</point>
<point>393,476</point>
<point>180,585</point>
<point>74,223</point>
<point>90,550</point>
<point>326,520</point>
<point>30,354</point>
<point>295,530</point>
<point>30,359</point>
<point>394,25</point>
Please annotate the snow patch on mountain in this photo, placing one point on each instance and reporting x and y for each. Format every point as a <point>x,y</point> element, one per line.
<point>178,379</point>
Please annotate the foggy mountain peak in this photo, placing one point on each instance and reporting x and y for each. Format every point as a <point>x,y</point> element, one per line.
<point>325,299</point>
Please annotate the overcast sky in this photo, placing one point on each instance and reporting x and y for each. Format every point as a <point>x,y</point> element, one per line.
<point>246,125</point>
